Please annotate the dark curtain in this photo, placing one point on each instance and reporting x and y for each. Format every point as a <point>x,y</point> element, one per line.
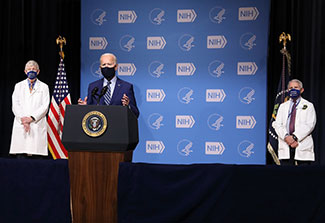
<point>29,29</point>
<point>303,20</point>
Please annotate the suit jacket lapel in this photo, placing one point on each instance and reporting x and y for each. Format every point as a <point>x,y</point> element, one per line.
<point>100,87</point>
<point>116,89</point>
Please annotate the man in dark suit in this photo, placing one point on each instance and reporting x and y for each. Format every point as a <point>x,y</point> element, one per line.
<point>118,92</point>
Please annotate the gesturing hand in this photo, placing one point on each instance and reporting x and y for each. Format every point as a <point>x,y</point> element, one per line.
<point>125,100</point>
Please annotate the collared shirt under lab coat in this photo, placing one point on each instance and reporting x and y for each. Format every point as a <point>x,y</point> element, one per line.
<point>36,104</point>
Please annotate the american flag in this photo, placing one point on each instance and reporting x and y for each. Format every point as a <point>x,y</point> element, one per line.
<point>282,96</point>
<point>55,120</point>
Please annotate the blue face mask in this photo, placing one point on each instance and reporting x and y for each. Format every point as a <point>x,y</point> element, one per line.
<point>294,93</point>
<point>32,74</point>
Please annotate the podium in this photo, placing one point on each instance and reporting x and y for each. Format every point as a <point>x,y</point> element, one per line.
<point>97,138</point>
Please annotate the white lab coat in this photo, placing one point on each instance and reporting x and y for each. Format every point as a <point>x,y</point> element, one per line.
<point>36,104</point>
<point>304,125</point>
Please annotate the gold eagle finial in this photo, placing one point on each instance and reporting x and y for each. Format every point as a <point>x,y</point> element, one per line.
<point>284,37</point>
<point>60,41</point>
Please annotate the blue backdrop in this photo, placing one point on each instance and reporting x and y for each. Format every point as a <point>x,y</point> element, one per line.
<point>198,70</point>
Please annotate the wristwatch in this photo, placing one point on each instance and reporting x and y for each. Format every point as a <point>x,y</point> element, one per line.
<point>294,137</point>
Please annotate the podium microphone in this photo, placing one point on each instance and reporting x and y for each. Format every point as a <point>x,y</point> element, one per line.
<point>94,91</point>
<point>102,92</point>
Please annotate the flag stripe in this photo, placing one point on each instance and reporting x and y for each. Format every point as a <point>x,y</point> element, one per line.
<point>55,138</point>
<point>53,112</point>
<point>54,153</point>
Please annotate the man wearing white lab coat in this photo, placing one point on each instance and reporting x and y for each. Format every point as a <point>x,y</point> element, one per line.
<point>30,102</point>
<point>296,146</point>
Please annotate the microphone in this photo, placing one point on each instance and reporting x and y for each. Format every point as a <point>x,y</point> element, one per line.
<point>102,92</point>
<point>94,91</point>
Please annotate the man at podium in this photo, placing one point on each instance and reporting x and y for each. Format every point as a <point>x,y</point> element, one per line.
<point>110,90</point>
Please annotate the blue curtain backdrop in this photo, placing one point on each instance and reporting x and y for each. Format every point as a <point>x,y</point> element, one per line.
<point>199,74</point>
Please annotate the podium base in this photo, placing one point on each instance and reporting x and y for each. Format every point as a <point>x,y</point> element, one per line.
<point>93,180</point>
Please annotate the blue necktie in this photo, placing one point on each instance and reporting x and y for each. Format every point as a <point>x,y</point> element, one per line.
<point>107,95</point>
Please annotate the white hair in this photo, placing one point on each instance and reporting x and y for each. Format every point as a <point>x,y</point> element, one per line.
<point>109,54</point>
<point>32,63</point>
<point>297,81</point>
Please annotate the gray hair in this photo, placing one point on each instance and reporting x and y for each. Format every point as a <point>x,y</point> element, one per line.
<point>109,54</point>
<point>32,63</point>
<point>297,81</point>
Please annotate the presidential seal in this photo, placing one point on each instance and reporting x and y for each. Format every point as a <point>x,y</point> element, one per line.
<point>94,123</point>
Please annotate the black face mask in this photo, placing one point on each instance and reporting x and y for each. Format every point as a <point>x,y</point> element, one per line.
<point>108,72</point>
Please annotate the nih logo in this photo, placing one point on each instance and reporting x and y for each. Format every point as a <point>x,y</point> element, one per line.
<point>185,69</point>
<point>214,148</point>
<point>155,147</point>
<point>245,122</point>
<point>155,42</point>
<point>215,95</point>
<point>246,68</point>
<point>126,16</point>
<point>126,69</point>
<point>184,121</point>
<point>247,13</point>
<point>186,15</point>
<point>155,95</point>
<point>216,42</point>
<point>97,43</point>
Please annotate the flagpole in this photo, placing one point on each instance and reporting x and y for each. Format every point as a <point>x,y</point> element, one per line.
<point>60,41</point>
<point>272,145</point>
<point>285,55</point>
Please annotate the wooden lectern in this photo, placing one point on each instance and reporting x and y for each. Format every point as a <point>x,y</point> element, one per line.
<point>97,138</point>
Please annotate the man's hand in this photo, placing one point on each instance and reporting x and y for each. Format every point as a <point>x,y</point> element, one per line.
<point>82,102</point>
<point>25,121</point>
<point>291,142</point>
<point>294,144</point>
<point>26,127</point>
<point>125,100</point>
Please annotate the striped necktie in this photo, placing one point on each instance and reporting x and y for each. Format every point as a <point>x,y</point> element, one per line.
<point>107,95</point>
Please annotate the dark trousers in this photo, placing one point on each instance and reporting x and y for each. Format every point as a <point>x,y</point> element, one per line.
<point>292,161</point>
<point>26,156</point>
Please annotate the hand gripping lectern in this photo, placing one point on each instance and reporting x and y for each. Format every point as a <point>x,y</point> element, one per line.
<point>97,138</point>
